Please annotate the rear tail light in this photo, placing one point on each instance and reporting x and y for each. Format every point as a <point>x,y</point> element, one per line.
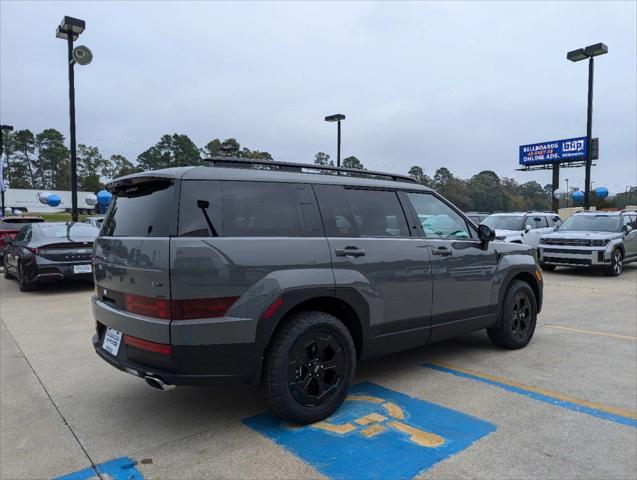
<point>33,250</point>
<point>201,307</point>
<point>148,306</point>
<point>148,346</point>
<point>178,309</point>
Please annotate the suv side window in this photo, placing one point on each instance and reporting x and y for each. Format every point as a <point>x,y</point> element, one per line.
<point>259,209</point>
<point>247,209</point>
<point>377,213</point>
<point>437,219</point>
<point>536,221</point>
<point>336,213</point>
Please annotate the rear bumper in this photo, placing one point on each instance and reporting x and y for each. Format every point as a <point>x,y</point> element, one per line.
<point>574,256</point>
<point>46,271</point>
<point>185,365</point>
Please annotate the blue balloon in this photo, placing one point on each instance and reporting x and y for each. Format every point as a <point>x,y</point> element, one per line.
<point>578,196</point>
<point>104,197</point>
<point>53,200</point>
<point>601,192</point>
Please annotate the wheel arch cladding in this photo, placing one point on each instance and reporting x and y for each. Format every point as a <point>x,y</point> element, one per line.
<point>351,313</point>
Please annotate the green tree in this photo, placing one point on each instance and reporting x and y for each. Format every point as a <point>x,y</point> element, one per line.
<point>90,166</point>
<point>53,169</point>
<point>230,147</point>
<point>322,158</point>
<point>118,166</point>
<point>171,151</point>
<point>419,174</point>
<point>486,192</point>
<point>352,162</point>
<point>23,144</point>
<point>454,189</point>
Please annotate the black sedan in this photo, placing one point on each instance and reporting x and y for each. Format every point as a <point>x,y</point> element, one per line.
<point>50,251</point>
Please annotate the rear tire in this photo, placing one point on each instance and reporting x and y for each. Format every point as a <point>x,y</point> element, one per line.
<point>23,283</point>
<point>7,275</point>
<point>518,317</point>
<point>309,367</point>
<point>616,266</point>
<point>547,268</point>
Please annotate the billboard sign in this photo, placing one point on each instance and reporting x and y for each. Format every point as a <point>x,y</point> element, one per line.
<point>556,151</point>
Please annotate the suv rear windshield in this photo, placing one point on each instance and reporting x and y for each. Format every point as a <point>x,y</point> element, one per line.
<point>145,209</point>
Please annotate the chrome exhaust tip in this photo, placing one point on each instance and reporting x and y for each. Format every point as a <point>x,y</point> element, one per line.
<point>157,383</point>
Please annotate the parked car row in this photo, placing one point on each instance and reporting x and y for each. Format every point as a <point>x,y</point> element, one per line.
<point>10,227</point>
<point>597,239</point>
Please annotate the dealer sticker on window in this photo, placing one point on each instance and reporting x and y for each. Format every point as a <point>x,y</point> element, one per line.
<point>112,339</point>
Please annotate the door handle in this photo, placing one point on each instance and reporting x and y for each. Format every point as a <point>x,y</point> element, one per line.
<point>442,251</point>
<point>349,252</point>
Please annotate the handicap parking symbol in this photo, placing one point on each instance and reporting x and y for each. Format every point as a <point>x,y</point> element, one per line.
<point>377,433</point>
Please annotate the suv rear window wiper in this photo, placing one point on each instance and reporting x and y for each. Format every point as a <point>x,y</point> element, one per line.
<point>203,205</point>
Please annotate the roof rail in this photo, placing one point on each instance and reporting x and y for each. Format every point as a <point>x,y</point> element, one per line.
<point>233,162</point>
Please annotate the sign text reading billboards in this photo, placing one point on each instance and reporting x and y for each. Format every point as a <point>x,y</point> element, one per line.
<point>557,151</point>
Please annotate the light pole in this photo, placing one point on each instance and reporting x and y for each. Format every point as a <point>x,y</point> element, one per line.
<point>8,128</point>
<point>566,192</point>
<point>70,29</point>
<point>589,52</point>
<point>337,118</point>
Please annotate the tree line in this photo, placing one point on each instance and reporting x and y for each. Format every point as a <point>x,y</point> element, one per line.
<point>42,161</point>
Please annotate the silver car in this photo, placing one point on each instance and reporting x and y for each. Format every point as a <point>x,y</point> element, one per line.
<point>605,240</point>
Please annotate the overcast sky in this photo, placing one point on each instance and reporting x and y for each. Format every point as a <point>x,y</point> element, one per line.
<point>460,85</point>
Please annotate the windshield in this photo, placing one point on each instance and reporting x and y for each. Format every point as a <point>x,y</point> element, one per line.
<point>505,222</point>
<point>52,230</point>
<point>591,223</point>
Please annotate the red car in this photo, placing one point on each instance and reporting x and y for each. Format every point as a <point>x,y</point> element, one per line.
<point>9,228</point>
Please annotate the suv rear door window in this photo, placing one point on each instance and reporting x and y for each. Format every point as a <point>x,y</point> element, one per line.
<point>377,213</point>
<point>142,210</point>
<point>336,213</point>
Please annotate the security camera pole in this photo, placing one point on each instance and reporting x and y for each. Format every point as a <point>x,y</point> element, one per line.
<point>589,52</point>
<point>69,30</point>
<point>2,129</point>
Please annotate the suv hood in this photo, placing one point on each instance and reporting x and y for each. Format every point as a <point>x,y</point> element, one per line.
<point>584,235</point>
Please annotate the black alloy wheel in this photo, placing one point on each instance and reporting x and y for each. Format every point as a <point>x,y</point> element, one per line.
<point>316,368</point>
<point>521,315</point>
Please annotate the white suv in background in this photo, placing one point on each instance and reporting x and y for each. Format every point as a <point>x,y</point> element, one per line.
<point>522,227</point>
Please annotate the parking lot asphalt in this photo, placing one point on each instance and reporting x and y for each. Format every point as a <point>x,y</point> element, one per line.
<point>564,407</point>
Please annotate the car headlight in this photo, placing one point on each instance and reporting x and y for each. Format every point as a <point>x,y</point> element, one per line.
<point>599,243</point>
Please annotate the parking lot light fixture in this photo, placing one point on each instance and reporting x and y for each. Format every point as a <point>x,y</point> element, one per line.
<point>337,117</point>
<point>589,52</point>
<point>70,29</point>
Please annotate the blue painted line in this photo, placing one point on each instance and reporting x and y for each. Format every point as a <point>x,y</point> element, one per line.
<point>367,438</point>
<point>631,422</point>
<point>119,469</point>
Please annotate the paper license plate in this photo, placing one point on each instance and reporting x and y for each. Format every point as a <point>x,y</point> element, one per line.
<point>112,339</point>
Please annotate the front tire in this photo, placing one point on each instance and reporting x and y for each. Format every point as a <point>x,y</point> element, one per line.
<point>309,367</point>
<point>518,317</point>
<point>616,266</point>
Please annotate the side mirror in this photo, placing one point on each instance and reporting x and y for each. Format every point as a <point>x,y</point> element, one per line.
<point>627,228</point>
<point>485,233</point>
<point>528,228</point>
<point>556,227</point>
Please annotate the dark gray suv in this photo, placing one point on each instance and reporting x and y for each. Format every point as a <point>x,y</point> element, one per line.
<point>287,275</point>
